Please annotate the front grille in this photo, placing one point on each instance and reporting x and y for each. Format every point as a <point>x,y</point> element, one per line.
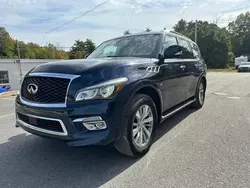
<point>245,69</point>
<point>45,124</point>
<point>50,90</point>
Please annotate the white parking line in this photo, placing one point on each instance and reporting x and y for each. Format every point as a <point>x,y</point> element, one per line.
<point>10,99</point>
<point>7,115</point>
<point>235,98</point>
<point>222,94</point>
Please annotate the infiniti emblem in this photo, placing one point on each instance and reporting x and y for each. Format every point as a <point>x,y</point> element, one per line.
<point>32,88</point>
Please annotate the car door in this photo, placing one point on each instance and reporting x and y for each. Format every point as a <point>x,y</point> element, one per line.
<point>195,65</point>
<point>189,62</point>
<point>173,73</point>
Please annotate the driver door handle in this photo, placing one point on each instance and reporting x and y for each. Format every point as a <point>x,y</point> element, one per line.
<point>182,66</point>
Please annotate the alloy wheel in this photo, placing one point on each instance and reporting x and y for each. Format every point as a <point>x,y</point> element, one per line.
<point>201,93</point>
<point>143,126</point>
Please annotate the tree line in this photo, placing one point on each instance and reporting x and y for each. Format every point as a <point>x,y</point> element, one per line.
<point>219,45</point>
<point>9,49</point>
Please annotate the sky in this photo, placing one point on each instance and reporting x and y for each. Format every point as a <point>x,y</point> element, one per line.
<point>29,20</point>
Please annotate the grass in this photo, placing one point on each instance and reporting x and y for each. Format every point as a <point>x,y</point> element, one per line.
<point>230,69</point>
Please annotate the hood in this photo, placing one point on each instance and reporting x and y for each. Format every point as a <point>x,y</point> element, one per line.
<point>79,66</point>
<point>244,66</point>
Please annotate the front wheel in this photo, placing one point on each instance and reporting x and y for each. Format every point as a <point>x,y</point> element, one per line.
<point>140,122</point>
<point>199,95</point>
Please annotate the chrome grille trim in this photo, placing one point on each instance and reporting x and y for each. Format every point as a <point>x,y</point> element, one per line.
<point>64,133</point>
<point>53,75</point>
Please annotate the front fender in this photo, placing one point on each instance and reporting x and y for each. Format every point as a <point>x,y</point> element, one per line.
<point>144,84</point>
<point>135,88</point>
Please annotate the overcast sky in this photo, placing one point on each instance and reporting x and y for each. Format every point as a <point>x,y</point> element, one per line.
<point>28,20</point>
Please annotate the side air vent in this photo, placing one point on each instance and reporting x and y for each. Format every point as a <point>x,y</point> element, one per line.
<point>155,69</point>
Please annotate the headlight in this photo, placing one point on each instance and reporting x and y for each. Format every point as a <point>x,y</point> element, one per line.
<point>107,91</point>
<point>85,95</point>
<point>101,91</point>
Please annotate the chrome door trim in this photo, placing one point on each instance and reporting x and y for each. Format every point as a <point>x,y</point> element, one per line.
<point>178,109</point>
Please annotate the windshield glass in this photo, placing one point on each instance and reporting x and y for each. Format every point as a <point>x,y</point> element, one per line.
<point>245,63</point>
<point>130,46</point>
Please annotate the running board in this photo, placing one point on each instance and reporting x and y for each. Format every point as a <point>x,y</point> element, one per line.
<point>177,109</point>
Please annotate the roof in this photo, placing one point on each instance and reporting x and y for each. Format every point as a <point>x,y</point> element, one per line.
<point>156,33</point>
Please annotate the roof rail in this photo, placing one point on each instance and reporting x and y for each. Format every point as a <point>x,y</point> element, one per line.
<point>175,32</point>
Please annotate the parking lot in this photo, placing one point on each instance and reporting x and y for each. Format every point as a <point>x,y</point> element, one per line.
<point>205,148</point>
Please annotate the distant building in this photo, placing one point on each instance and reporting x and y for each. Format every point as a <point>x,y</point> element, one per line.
<point>10,71</point>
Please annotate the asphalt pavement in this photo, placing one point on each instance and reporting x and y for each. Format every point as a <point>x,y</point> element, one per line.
<point>207,148</point>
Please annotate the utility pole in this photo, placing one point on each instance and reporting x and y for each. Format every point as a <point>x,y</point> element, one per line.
<point>19,62</point>
<point>54,53</point>
<point>196,30</point>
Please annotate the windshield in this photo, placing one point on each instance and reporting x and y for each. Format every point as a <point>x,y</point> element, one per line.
<point>245,63</point>
<point>130,46</point>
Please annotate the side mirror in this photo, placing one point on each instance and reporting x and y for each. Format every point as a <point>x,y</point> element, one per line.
<point>85,57</point>
<point>174,51</point>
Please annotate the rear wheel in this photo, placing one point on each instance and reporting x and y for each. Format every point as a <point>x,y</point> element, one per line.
<point>199,95</point>
<point>140,121</point>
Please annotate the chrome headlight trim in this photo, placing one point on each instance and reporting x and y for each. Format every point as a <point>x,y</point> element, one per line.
<point>108,83</point>
<point>98,87</point>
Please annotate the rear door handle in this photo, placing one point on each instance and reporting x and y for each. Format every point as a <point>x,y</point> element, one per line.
<point>182,66</point>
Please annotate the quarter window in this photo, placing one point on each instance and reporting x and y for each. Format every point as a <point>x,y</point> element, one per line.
<point>196,51</point>
<point>4,77</point>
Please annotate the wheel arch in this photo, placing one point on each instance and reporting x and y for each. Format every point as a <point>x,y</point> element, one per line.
<point>152,91</point>
<point>204,79</point>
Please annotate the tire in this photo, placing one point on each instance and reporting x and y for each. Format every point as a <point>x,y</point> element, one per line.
<point>200,98</point>
<point>129,143</point>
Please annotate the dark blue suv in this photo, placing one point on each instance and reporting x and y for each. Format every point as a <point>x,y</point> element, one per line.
<point>117,95</point>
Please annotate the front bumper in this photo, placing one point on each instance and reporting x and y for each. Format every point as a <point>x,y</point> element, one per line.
<point>71,119</point>
<point>243,69</point>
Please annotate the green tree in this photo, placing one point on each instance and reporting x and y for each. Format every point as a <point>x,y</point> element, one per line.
<point>81,48</point>
<point>8,49</point>
<point>181,27</point>
<point>60,54</point>
<point>51,51</point>
<point>89,46</point>
<point>214,42</point>
<point>6,44</point>
<point>240,31</point>
<point>41,53</point>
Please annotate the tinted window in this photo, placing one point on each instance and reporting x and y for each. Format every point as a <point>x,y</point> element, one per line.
<point>130,46</point>
<point>187,52</point>
<point>169,41</point>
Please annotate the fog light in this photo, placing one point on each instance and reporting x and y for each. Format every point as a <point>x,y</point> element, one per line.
<point>98,125</point>
<point>92,123</point>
